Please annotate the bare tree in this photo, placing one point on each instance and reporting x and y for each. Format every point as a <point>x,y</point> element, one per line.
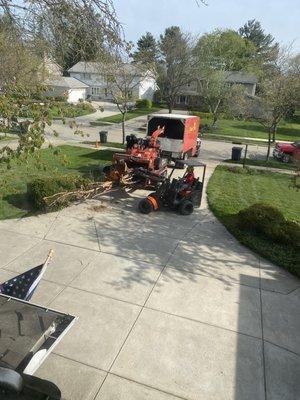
<point>278,96</point>
<point>123,79</point>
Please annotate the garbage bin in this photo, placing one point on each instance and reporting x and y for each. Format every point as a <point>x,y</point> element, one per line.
<point>103,136</point>
<point>236,153</point>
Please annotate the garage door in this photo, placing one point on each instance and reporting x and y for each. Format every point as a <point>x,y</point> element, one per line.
<point>76,94</point>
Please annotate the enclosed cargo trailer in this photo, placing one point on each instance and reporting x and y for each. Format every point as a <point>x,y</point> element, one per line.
<point>180,138</point>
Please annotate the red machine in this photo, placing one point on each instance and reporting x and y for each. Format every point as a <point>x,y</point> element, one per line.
<point>179,140</point>
<point>142,157</point>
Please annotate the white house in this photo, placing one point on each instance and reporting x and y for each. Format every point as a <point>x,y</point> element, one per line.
<point>92,74</point>
<point>73,89</point>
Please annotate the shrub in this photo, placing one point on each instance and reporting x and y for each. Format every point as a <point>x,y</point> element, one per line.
<point>44,187</point>
<point>144,104</point>
<point>269,221</point>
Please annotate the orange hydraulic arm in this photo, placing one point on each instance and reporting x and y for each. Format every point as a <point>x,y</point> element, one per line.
<point>159,131</point>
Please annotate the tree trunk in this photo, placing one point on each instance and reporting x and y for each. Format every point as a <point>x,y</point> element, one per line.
<point>123,127</point>
<point>215,119</point>
<point>269,144</point>
<point>170,106</point>
<point>274,133</point>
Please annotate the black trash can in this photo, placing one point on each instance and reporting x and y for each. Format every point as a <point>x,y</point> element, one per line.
<point>236,153</point>
<point>103,136</point>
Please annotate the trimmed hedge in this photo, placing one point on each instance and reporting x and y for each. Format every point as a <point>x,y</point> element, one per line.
<point>143,104</point>
<point>44,187</point>
<point>267,220</point>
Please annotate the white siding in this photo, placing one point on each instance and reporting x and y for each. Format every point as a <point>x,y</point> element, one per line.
<point>147,87</point>
<point>76,94</point>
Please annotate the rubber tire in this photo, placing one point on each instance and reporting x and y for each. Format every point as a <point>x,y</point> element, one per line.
<point>145,206</point>
<point>186,207</point>
<point>106,169</point>
<point>286,158</point>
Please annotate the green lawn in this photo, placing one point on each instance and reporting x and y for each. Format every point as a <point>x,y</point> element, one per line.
<point>287,130</point>
<point>229,192</point>
<point>116,119</point>
<point>71,159</point>
<point>272,163</point>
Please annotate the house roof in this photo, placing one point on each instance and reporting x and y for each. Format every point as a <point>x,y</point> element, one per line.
<point>67,82</point>
<point>93,67</point>
<point>240,77</point>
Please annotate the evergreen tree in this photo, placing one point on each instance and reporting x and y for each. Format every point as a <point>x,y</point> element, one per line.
<point>147,49</point>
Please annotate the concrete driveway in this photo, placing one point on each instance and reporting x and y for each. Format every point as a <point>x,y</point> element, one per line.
<point>169,307</point>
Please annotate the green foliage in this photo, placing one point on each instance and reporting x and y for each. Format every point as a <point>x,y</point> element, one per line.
<point>147,50</point>
<point>266,47</point>
<point>145,104</point>
<point>40,188</point>
<point>224,50</point>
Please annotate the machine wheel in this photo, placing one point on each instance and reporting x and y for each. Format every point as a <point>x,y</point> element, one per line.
<point>286,158</point>
<point>106,169</point>
<point>186,207</point>
<point>145,206</point>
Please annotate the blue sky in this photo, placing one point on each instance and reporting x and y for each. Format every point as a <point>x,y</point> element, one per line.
<point>281,18</point>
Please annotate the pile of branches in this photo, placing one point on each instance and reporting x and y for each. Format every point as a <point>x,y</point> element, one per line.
<point>90,191</point>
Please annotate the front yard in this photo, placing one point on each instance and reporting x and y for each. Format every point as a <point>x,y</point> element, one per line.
<point>64,159</point>
<point>229,192</point>
<point>287,130</point>
<point>116,119</point>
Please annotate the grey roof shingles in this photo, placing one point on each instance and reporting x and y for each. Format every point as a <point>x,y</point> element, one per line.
<point>67,82</point>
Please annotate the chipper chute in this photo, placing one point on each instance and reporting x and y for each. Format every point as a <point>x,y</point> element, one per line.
<point>28,334</point>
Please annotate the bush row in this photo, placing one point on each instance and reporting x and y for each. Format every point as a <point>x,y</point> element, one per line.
<point>143,104</point>
<point>269,221</point>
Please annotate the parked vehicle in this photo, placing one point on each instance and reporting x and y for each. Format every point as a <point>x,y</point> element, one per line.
<point>180,137</point>
<point>286,152</point>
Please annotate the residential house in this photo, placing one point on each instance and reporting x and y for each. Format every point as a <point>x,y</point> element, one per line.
<point>72,89</point>
<point>191,94</point>
<point>94,76</point>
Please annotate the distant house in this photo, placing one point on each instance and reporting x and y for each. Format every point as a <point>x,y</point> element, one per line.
<point>191,94</point>
<point>92,74</point>
<point>72,89</point>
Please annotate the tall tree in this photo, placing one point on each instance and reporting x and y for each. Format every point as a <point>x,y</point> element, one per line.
<point>122,80</point>
<point>147,50</point>
<point>217,54</point>
<point>225,50</point>
<point>266,48</point>
<point>176,64</point>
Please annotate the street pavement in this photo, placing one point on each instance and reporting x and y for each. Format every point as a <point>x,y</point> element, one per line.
<point>170,307</point>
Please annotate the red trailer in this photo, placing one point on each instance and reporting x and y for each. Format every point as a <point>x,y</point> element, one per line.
<point>180,138</point>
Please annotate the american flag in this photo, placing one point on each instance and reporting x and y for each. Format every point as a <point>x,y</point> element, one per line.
<point>23,286</point>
